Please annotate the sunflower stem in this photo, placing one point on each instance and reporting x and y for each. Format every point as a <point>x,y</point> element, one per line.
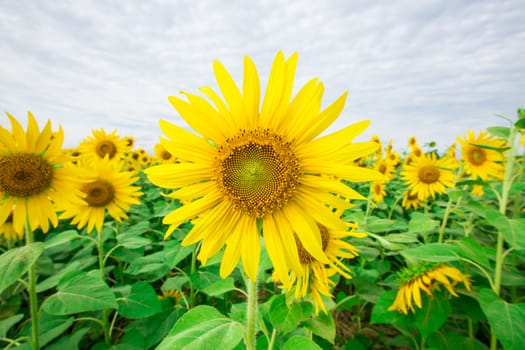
<point>101,263</point>
<point>505,189</point>
<point>251,315</point>
<point>33,301</point>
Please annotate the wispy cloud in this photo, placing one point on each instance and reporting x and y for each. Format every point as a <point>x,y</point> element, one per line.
<point>433,69</point>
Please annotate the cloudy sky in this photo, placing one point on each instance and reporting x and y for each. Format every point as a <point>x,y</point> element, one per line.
<point>433,69</point>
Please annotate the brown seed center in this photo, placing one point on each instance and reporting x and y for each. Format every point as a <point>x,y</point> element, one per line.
<point>99,193</point>
<point>477,156</point>
<point>428,174</point>
<point>24,174</point>
<point>257,171</point>
<point>106,147</point>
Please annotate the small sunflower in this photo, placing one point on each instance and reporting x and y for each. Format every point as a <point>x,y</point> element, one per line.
<point>428,175</point>
<point>129,142</point>
<point>8,231</point>
<point>425,277</point>
<point>378,192</point>
<point>481,162</point>
<point>107,189</point>
<point>412,141</point>
<point>385,167</point>
<point>315,277</point>
<point>411,200</point>
<point>249,167</point>
<point>33,178</point>
<point>162,155</point>
<point>101,144</point>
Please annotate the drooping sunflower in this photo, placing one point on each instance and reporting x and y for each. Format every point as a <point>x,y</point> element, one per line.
<point>100,144</point>
<point>315,277</point>
<point>248,167</point>
<point>33,179</point>
<point>425,277</point>
<point>481,162</point>
<point>428,175</point>
<point>108,189</point>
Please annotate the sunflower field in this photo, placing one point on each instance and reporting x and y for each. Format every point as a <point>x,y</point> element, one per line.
<point>257,230</point>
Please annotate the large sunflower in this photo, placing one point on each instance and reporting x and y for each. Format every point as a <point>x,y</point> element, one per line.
<point>101,144</point>
<point>315,277</point>
<point>33,179</point>
<point>249,167</point>
<point>428,175</point>
<point>107,189</point>
<point>480,161</point>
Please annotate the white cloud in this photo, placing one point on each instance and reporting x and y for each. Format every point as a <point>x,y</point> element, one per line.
<point>433,69</point>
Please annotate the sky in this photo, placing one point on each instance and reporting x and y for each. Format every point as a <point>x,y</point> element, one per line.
<point>432,69</point>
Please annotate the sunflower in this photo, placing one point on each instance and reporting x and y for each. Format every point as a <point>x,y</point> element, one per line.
<point>101,144</point>
<point>248,168</point>
<point>107,189</point>
<point>412,142</point>
<point>33,179</point>
<point>8,231</point>
<point>385,167</point>
<point>425,277</point>
<point>480,161</point>
<point>129,142</point>
<point>314,279</point>
<point>377,190</point>
<point>428,175</point>
<point>411,200</point>
<point>162,155</point>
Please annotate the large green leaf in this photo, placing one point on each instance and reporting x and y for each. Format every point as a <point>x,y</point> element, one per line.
<point>284,317</point>
<point>141,302</point>
<point>421,223</point>
<point>323,326</point>
<point>69,342</point>
<point>15,262</point>
<point>437,252</point>
<point>202,328</point>
<point>80,293</point>
<point>507,320</point>
<point>433,314</point>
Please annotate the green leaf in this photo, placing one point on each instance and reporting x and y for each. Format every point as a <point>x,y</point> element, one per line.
<point>499,131</point>
<point>471,249</point>
<point>80,293</point>
<point>75,265</point>
<point>437,252</point>
<point>9,322</point>
<point>61,238</point>
<point>453,341</point>
<point>220,287</point>
<point>323,326</point>
<point>69,342</point>
<point>140,303</point>
<point>381,314</point>
<point>131,241</point>
<point>421,223</point>
<point>433,314</point>
<point>283,317</point>
<point>15,262</point>
<point>378,225</point>
<point>51,327</point>
<point>299,342</point>
<point>201,328</point>
<point>402,237</point>
<point>507,320</point>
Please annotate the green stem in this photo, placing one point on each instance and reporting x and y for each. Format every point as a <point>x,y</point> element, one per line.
<point>251,315</point>
<point>505,189</point>
<point>101,265</point>
<point>272,339</point>
<point>33,301</point>
<point>445,220</point>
